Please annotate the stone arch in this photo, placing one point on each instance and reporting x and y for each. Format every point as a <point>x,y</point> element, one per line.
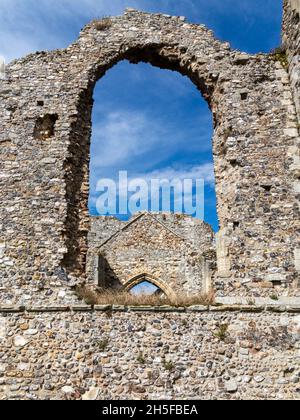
<point>229,81</point>
<point>165,52</point>
<point>136,280</point>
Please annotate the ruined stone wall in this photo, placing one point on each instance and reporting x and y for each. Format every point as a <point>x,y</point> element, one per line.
<point>102,228</point>
<point>176,251</point>
<point>291,40</point>
<point>200,235</point>
<point>173,249</point>
<point>45,110</point>
<point>194,354</point>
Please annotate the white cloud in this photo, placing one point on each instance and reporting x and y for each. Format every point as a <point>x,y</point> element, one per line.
<point>31,25</point>
<point>123,138</point>
<point>204,171</point>
<point>28,26</point>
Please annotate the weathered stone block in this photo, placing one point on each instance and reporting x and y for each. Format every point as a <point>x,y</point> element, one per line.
<point>223,240</point>
<point>197,308</point>
<point>119,308</point>
<point>297,259</point>
<point>266,285</point>
<point>295,5</point>
<point>2,68</point>
<point>297,187</point>
<point>91,395</point>
<point>102,308</point>
<point>2,328</point>
<point>81,308</point>
<point>48,308</point>
<point>275,277</point>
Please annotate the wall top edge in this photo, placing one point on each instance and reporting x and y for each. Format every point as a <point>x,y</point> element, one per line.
<point>279,308</point>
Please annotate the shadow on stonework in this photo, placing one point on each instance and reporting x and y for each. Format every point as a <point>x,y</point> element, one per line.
<point>107,278</point>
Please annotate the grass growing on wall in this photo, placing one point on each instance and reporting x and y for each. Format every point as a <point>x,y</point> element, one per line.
<point>102,24</point>
<point>111,297</point>
<point>279,54</point>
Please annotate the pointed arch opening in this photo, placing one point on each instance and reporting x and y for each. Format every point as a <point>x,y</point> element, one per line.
<point>168,57</point>
<point>151,123</point>
<point>160,288</point>
<point>146,288</point>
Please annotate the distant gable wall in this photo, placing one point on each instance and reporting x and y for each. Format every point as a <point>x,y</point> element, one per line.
<point>170,248</point>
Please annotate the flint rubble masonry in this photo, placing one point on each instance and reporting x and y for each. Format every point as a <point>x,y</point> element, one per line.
<point>174,251</point>
<point>58,355</point>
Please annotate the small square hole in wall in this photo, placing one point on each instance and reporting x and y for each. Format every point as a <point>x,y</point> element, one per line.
<point>40,103</point>
<point>277,283</point>
<point>45,127</point>
<point>267,188</point>
<point>236,225</point>
<point>244,96</point>
<point>233,162</point>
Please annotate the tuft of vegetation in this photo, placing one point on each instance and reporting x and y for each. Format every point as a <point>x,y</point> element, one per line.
<point>102,344</point>
<point>150,375</point>
<point>109,313</point>
<point>279,54</point>
<point>87,295</point>
<point>124,298</point>
<point>141,359</point>
<point>222,332</point>
<point>274,297</point>
<point>102,24</point>
<point>168,365</point>
<point>251,302</point>
<point>227,133</point>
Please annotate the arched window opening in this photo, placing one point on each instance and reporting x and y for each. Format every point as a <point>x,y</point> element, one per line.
<point>151,124</point>
<point>145,288</point>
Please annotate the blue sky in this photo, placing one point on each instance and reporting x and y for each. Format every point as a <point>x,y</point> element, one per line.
<point>145,120</point>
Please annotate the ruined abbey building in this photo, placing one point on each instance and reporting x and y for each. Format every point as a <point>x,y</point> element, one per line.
<point>45,108</point>
<point>174,252</point>
<point>54,347</point>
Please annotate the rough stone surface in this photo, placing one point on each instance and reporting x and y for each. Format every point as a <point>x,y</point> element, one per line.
<point>45,111</point>
<point>2,68</point>
<point>291,40</point>
<point>174,252</point>
<point>91,395</point>
<point>145,355</point>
